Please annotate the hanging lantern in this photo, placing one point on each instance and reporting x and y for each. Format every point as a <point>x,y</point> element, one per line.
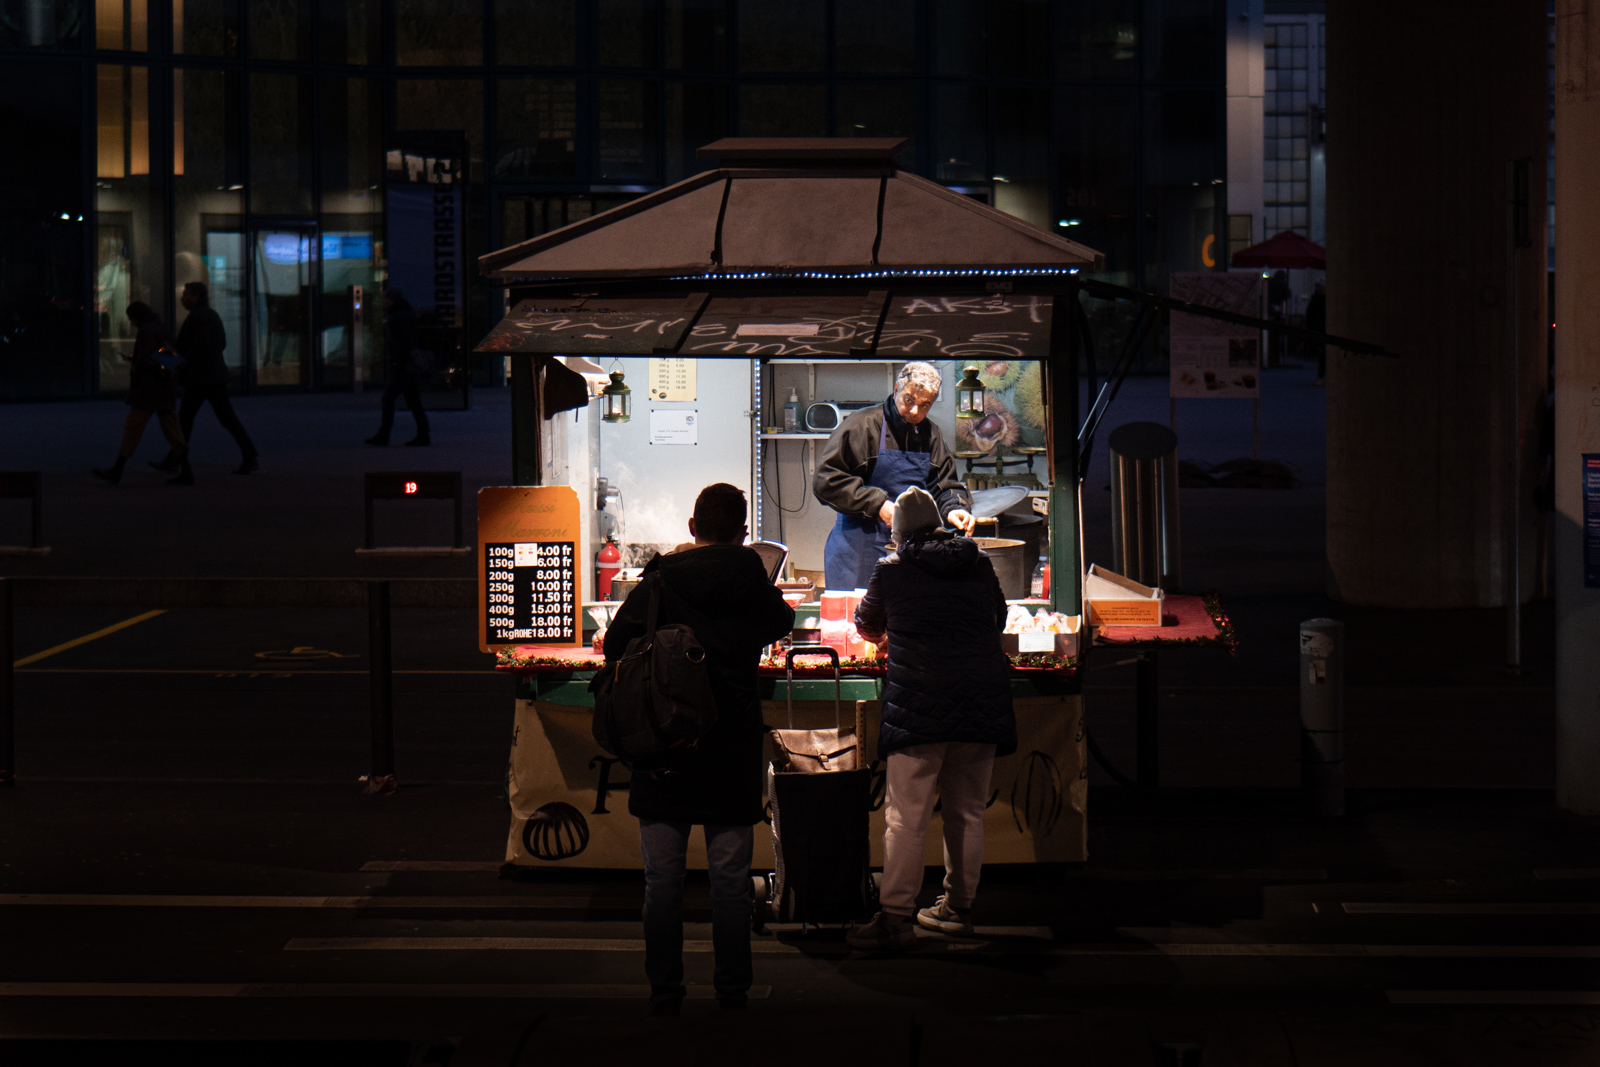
<point>969,395</point>
<point>616,400</point>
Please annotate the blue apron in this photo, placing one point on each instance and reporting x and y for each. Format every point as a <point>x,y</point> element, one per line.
<point>858,541</point>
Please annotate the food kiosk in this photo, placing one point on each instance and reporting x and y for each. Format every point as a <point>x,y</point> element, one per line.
<point>654,349</point>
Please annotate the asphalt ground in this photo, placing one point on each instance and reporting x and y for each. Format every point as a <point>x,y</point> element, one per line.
<point>189,874</point>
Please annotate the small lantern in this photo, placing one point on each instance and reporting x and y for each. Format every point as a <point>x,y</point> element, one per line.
<point>969,395</point>
<point>616,400</point>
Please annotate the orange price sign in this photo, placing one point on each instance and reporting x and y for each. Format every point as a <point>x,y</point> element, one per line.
<point>529,586</point>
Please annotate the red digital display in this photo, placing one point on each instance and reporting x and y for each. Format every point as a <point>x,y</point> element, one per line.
<point>411,488</point>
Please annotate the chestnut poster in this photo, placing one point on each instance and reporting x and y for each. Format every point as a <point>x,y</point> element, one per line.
<point>569,800</point>
<point>1211,359</point>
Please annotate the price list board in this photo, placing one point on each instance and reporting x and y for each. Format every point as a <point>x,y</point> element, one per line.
<point>533,586</point>
<point>529,587</point>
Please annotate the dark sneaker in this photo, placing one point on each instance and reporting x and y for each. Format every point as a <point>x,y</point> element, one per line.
<point>666,1007</point>
<point>249,464</point>
<point>885,933</point>
<point>946,919</point>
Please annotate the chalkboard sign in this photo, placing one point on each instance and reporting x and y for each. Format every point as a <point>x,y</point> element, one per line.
<point>529,583</point>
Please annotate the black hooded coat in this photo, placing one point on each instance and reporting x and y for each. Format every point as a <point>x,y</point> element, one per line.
<point>940,602</point>
<point>722,592</point>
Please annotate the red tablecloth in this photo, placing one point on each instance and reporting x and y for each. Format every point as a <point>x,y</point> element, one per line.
<point>1189,620</point>
<point>556,659</point>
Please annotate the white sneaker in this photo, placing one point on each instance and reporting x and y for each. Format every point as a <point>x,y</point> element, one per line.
<point>946,918</point>
<point>883,932</point>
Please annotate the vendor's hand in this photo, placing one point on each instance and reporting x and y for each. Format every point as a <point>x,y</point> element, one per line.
<point>962,520</point>
<point>886,513</point>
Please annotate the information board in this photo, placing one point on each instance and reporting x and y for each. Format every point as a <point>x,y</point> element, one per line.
<point>672,378</point>
<point>1209,358</point>
<point>529,584</point>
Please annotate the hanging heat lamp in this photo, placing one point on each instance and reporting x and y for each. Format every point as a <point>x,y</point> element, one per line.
<point>616,400</point>
<point>969,395</point>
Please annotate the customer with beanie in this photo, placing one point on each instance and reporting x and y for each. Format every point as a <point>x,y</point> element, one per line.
<point>152,390</point>
<point>946,714</point>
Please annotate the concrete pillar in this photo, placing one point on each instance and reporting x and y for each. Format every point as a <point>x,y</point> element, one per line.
<point>1577,319</point>
<point>1428,102</point>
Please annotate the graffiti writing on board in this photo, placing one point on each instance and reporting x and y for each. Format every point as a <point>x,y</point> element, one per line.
<point>811,336</point>
<point>1034,308</point>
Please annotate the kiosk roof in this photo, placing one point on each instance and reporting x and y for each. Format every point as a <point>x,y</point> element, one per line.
<point>792,206</point>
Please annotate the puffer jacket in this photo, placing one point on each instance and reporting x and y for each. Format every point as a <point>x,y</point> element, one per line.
<point>941,605</point>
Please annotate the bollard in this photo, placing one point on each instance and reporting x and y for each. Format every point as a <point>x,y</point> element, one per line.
<point>1322,715</point>
<point>381,690</point>
<point>8,691</point>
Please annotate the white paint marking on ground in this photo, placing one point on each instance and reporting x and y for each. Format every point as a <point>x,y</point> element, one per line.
<point>131,900</point>
<point>572,991</point>
<point>86,638</point>
<point>526,944</point>
<point>1469,908</point>
<point>1493,996</point>
<point>1248,874</point>
<point>1574,873</point>
<point>433,865</point>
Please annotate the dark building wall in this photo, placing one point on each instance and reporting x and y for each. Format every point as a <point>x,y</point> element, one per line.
<point>197,130</point>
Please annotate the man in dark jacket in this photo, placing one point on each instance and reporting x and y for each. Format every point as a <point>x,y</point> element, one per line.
<point>870,459</point>
<point>400,340</point>
<point>720,589</point>
<point>946,714</point>
<point>204,376</point>
<point>152,390</point>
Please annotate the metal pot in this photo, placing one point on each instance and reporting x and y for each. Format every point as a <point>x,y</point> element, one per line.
<point>621,587</point>
<point>1010,564</point>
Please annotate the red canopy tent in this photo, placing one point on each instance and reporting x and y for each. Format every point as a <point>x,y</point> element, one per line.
<point>1287,249</point>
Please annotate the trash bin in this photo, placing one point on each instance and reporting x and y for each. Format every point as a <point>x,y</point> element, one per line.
<point>1144,504</point>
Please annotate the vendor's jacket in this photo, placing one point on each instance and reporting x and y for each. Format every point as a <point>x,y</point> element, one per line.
<point>941,605</point>
<point>723,594</point>
<point>846,461</point>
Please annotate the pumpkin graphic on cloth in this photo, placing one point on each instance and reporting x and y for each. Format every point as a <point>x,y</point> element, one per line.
<point>557,831</point>
<point>1036,795</point>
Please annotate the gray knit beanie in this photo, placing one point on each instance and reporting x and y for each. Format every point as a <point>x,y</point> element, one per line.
<point>915,514</point>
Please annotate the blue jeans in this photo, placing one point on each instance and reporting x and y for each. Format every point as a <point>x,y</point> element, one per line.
<point>664,847</point>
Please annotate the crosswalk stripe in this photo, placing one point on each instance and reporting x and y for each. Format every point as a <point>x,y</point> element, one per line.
<point>155,900</point>
<point>1469,908</point>
<point>551,991</point>
<point>1492,996</point>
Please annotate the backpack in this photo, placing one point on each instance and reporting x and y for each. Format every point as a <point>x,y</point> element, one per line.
<point>654,703</point>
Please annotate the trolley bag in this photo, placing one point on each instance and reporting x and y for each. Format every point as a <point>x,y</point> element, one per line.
<point>818,796</point>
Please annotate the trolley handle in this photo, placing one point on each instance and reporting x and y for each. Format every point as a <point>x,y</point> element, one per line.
<point>838,690</point>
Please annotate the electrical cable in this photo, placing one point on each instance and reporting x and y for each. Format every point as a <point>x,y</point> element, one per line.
<point>1105,764</point>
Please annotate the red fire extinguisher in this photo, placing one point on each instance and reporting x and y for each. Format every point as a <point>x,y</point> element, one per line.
<point>609,561</point>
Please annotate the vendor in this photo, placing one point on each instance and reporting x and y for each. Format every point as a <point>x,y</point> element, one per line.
<point>875,455</point>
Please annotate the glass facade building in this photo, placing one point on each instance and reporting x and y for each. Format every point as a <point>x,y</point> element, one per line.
<point>244,142</point>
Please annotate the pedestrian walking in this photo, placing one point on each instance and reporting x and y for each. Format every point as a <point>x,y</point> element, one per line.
<point>720,589</point>
<point>946,715</point>
<point>152,390</point>
<point>204,377</point>
<point>401,342</point>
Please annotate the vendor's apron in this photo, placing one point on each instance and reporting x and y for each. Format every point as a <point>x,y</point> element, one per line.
<point>858,541</point>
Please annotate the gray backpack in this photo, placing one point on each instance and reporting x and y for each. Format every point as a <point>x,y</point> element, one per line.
<point>654,703</point>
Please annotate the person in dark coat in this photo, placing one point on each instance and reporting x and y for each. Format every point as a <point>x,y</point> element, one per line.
<point>1317,320</point>
<point>152,390</point>
<point>720,588</point>
<point>401,338</point>
<point>947,714</point>
<point>204,376</point>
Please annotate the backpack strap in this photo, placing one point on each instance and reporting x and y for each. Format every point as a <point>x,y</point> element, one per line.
<point>653,609</point>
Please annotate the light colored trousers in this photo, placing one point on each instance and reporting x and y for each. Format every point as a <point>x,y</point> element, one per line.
<point>957,774</point>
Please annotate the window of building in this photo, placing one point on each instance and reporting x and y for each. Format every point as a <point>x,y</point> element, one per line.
<point>1240,231</point>
<point>205,27</point>
<point>961,133</point>
<point>280,29</point>
<point>536,128</point>
<point>1097,174</point>
<point>438,33</point>
<point>350,31</point>
<point>961,37</point>
<point>441,104</point>
<point>129,222</point>
<point>1293,101</point>
<point>281,146</point>
<point>1021,31</point>
<point>1097,40</point>
<point>697,114</point>
<point>41,24</point>
<point>628,33</point>
<point>697,34</point>
<point>783,110</point>
<point>208,197</point>
<point>121,25</point>
<point>877,109</point>
<point>877,38</point>
<point>629,130</point>
<point>1022,153</point>
<point>782,35</point>
<point>535,33</point>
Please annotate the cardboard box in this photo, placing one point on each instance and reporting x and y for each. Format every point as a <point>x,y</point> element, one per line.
<point>1117,601</point>
<point>1063,645</point>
